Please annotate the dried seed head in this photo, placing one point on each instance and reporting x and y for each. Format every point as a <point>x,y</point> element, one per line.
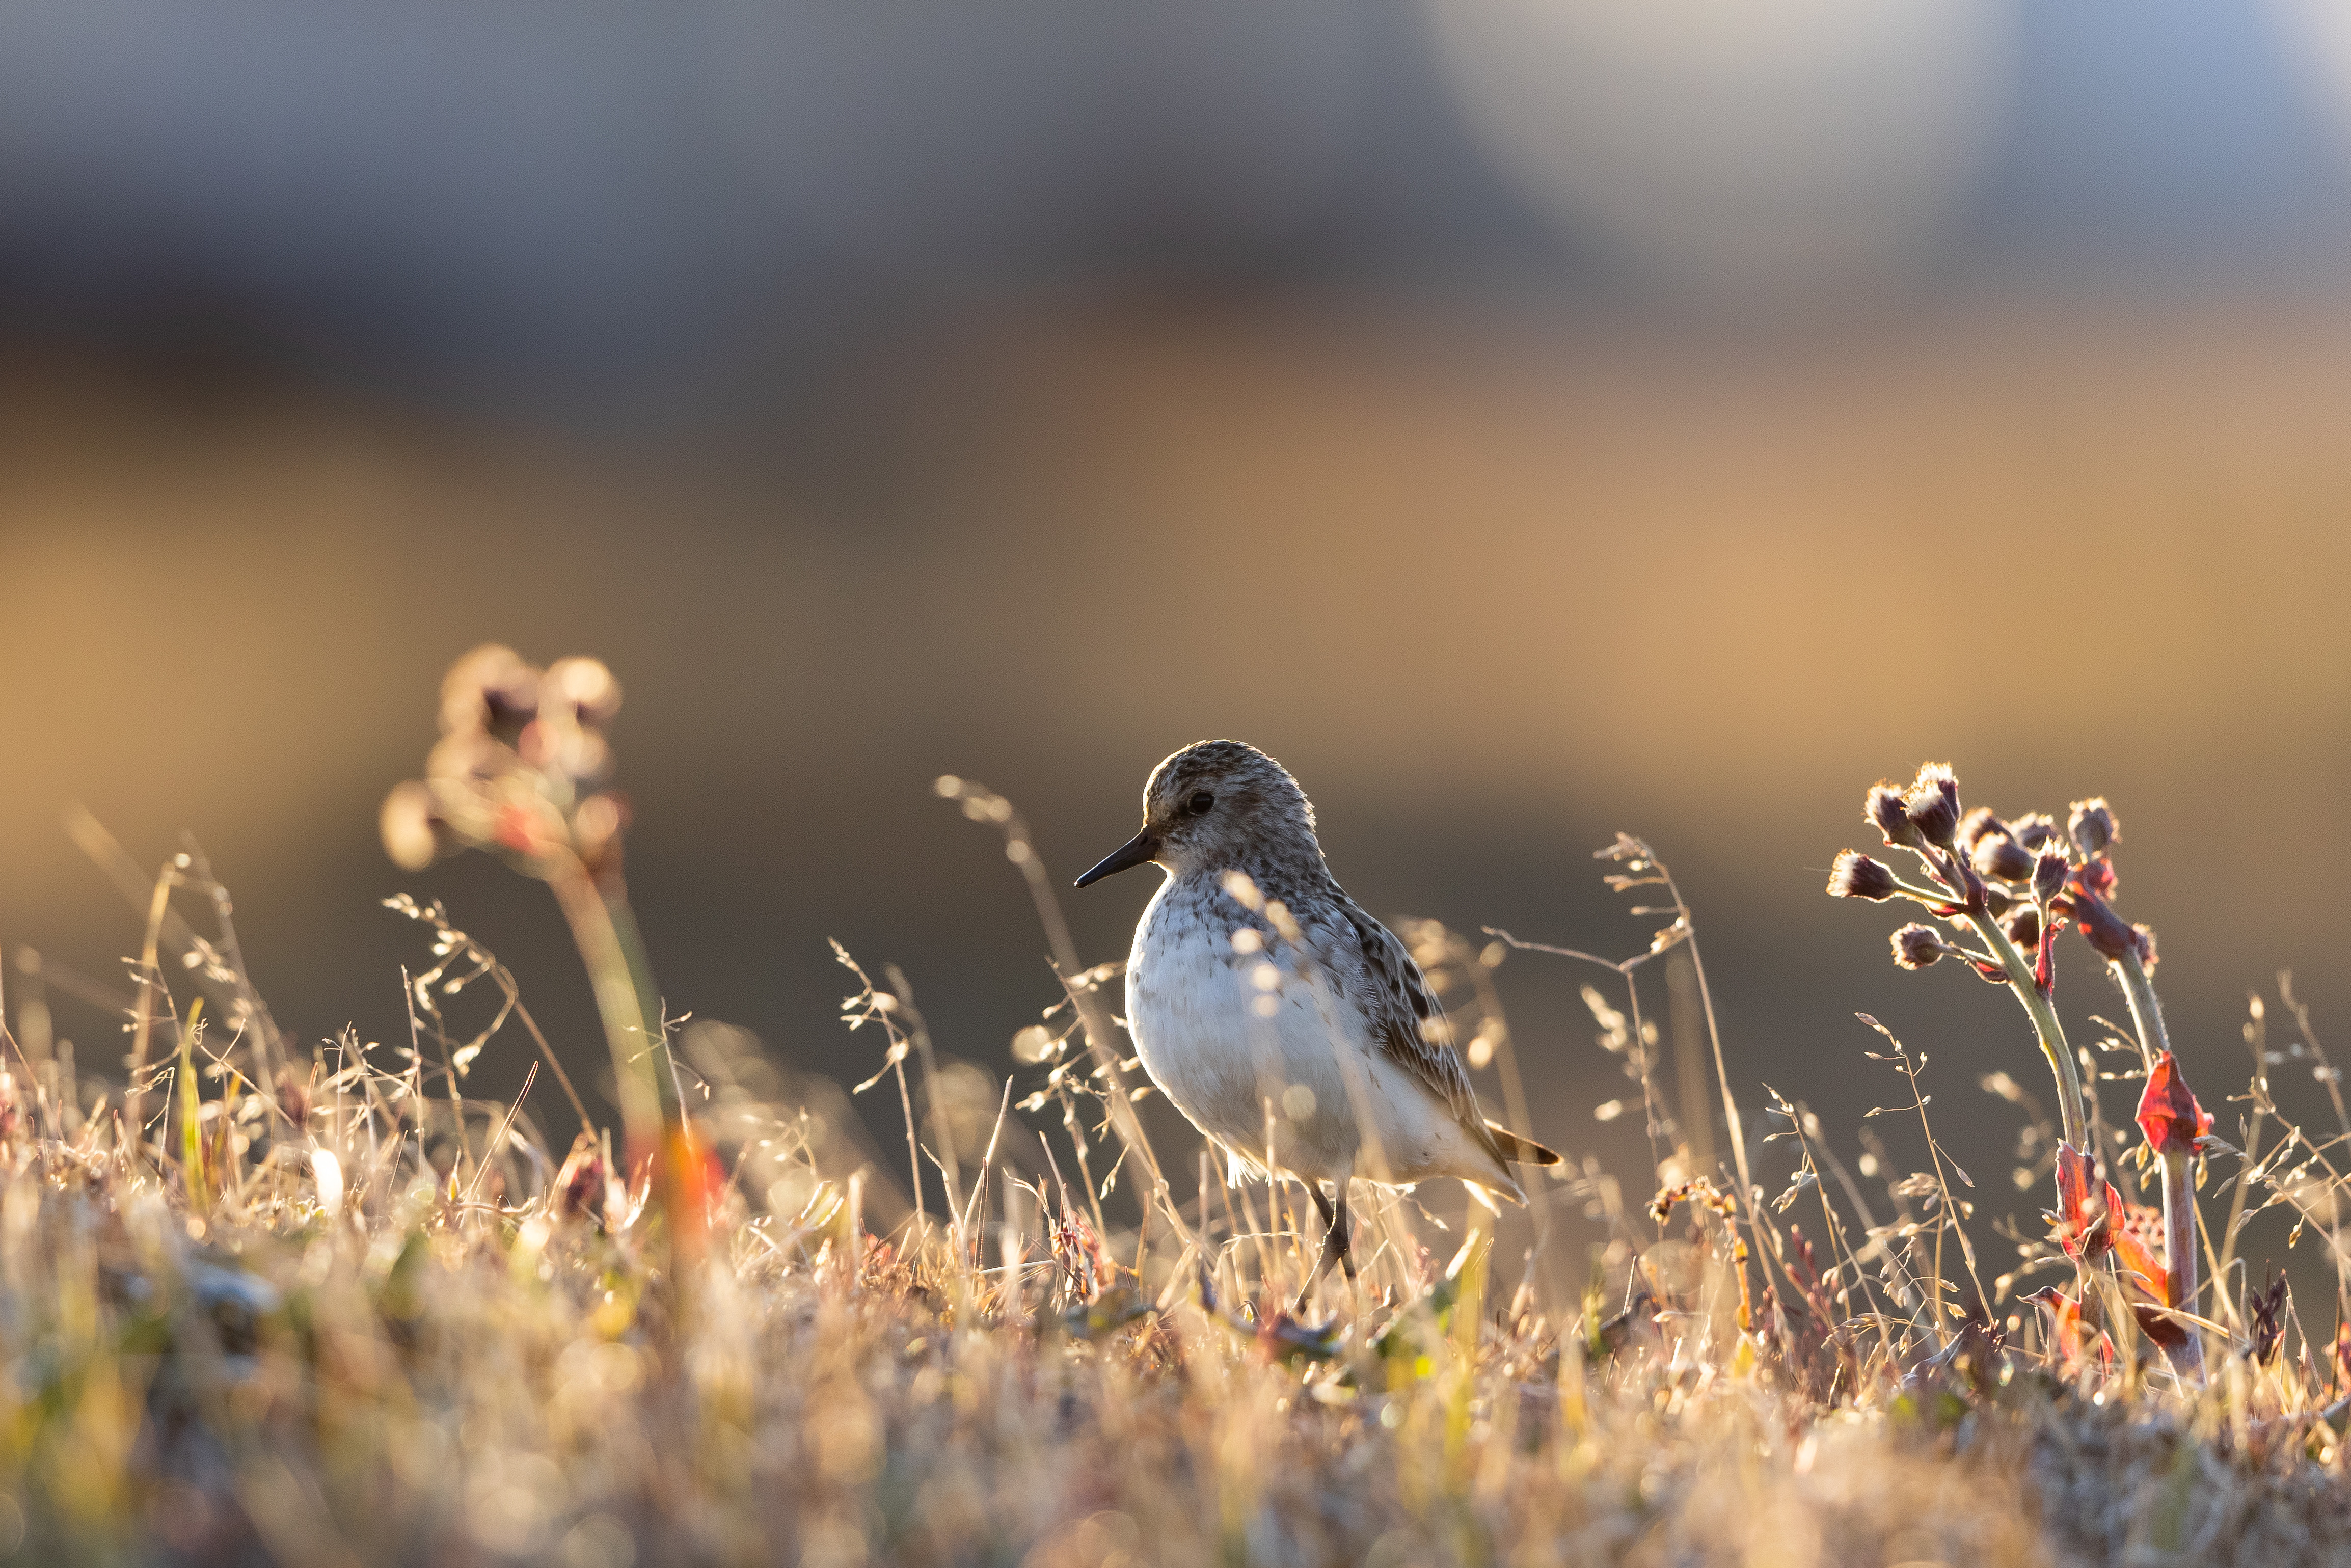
<point>489,688</point>
<point>2034,830</point>
<point>1976,824</point>
<point>1883,811</point>
<point>2022,925</point>
<point>587,684</point>
<point>415,836</point>
<point>2049,874</point>
<point>465,756</point>
<point>2092,826</point>
<point>1932,804</point>
<point>1855,875</point>
<point>2001,858</point>
<point>1916,946</point>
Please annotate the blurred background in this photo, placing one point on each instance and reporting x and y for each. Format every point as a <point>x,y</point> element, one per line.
<point>1525,418</point>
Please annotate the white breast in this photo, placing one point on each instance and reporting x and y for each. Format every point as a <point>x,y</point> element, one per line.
<point>1292,1060</point>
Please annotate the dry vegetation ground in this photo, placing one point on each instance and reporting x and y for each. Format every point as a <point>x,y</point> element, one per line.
<point>323,1308</point>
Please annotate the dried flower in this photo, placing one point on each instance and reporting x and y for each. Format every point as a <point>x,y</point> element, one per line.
<point>2168,1113</point>
<point>1855,875</point>
<point>2034,830</point>
<point>2049,869</point>
<point>2092,826</point>
<point>1883,811</point>
<point>585,685</point>
<point>1977,824</point>
<point>490,688</point>
<point>519,751</point>
<point>414,835</point>
<point>1916,946</point>
<point>2001,858</point>
<point>1932,804</point>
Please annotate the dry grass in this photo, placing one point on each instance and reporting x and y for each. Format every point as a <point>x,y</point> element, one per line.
<point>259,1308</point>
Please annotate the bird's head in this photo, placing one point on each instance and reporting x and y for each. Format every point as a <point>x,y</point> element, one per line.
<point>1216,804</point>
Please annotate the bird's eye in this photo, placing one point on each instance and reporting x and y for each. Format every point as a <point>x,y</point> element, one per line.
<point>1199,803</point>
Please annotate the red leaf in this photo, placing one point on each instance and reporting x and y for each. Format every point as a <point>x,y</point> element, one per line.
<point>2167,1114</point>
<point>2139,1249</point>
<point>2064,1316</point>
<point>2081,1224</point>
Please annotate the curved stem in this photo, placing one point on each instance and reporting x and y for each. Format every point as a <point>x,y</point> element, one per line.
<point>2146,1013</point>
<point>618,1005</point>
<point>2068,1073</point>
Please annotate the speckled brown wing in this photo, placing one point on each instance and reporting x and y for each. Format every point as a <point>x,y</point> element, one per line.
<point>1404,1015</point>
<point>1412,1028</point>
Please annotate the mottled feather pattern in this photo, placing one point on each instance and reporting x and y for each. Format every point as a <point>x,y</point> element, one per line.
<point>1369,964</point>
<point>1407,1017</point>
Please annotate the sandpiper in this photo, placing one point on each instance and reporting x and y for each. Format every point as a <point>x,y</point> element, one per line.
<point>1290,1027</point>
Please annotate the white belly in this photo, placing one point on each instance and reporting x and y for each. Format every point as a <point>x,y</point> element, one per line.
<point>1296,1084</point>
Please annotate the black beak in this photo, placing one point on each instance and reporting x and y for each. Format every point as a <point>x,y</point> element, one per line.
<point>1137,851</point>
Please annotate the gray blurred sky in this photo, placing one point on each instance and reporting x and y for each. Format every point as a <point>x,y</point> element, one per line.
<point>606,207</point>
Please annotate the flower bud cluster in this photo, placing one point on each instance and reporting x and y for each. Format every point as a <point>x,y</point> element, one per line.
<point>1978,866</point>
<point>515,771</point>
<point>2011,885</point>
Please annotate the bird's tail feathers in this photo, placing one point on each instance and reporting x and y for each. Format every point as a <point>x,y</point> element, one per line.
<point>1517,1150</point>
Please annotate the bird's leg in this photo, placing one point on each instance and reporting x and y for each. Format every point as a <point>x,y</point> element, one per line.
<point>1336,1240</point>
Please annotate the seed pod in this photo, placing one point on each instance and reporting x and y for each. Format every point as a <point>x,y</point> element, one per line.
<point>2048,875</point>
<point>414,835</point>
<point>2034,830</point>
<point>2092,826</point>
<point>490,688</point>
<point>2001,858</point>
<point>1855,875</point>
<point>1883,811</point>
<point>1916,946</point>
<point>1932,804</point>
<point>587,684</point>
